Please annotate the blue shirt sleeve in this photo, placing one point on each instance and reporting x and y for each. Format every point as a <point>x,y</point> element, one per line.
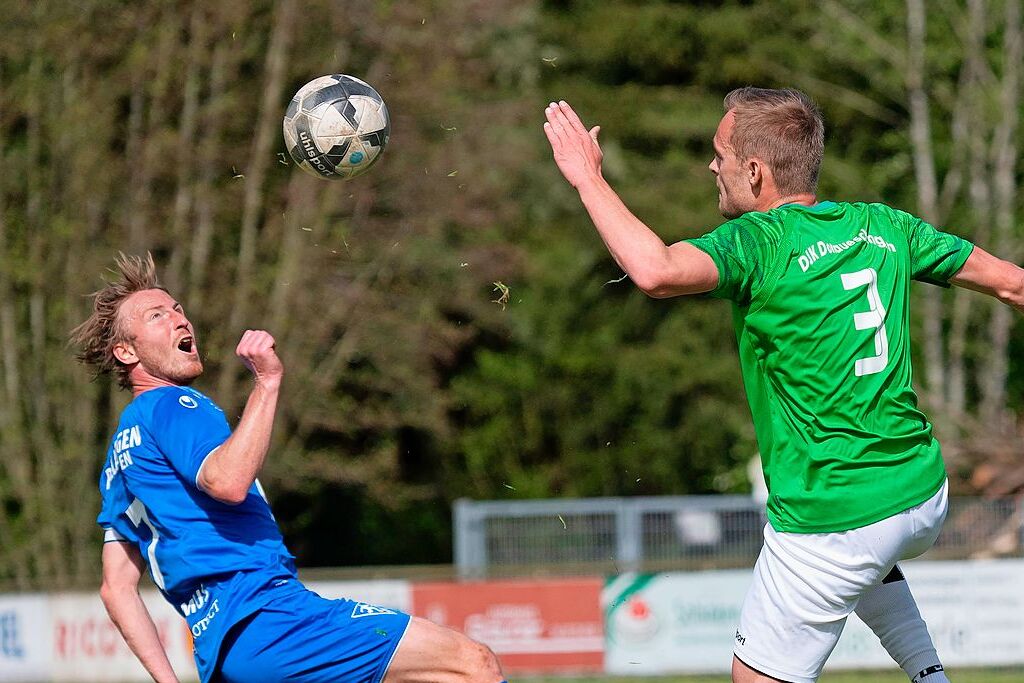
<point>112,517</point>
<point>106,517</point>
<point>186,427</point>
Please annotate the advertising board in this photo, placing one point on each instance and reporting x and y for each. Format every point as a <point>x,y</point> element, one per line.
<point>86,645</point>
<point>686,622</point>
<point>533,626</point>
<point>25,644</point>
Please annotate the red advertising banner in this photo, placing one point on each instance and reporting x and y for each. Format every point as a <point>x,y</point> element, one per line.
<point>551,626</point>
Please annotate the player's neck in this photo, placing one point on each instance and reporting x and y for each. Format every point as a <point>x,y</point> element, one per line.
<point>803,198</point>
<point>142,382</point>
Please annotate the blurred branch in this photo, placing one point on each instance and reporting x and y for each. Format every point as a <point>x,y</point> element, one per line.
<point>879,44</point>
<point>855,100</point>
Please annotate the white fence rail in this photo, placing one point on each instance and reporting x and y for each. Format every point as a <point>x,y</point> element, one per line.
<point>612,535</point>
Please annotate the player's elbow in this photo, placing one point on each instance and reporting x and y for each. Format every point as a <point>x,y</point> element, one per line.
<point>651,280</point>
<point>221,486</point>
<point>108,594</point>
<point>1012,293</point>
<point>228,493</point>
<point>233,497</point>
<point>114,591</point>
<point>657,283</point>
<point>662,291</point>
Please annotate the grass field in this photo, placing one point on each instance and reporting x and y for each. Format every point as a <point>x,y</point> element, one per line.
<point>955,675</point>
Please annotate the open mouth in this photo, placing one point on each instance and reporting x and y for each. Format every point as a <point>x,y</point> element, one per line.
<point>186,345</point>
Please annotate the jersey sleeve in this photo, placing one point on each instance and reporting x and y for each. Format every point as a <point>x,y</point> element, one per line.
<point>935,256</point>
<point>111,518</point>
<point>741,251</point>
<point>106,520</point>
<point>186,430</point>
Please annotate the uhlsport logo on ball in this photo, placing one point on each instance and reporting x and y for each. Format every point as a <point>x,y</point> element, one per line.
<point>336,127</point>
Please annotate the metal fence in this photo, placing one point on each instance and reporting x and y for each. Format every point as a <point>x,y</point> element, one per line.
<point>611,535</point>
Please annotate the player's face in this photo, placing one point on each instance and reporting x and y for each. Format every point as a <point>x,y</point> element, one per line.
<point>160,338</point>
<point>735,196</point>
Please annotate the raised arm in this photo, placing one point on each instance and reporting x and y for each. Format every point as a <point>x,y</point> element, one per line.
<point>659,270</point>
<point>991,275</point>
<point>231,469</point>
<point>122,568</point>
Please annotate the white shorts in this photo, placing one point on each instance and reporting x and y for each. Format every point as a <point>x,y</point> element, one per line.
<point>806,585</point>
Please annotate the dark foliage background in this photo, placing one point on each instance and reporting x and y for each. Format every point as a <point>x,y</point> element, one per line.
<point>156,126</point>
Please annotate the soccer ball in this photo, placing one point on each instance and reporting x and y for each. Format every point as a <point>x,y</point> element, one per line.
<point>336,127</point>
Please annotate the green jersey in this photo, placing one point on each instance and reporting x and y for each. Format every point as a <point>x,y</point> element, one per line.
<point>821,307</point>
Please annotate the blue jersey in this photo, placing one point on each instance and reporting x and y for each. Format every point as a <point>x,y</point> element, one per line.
<point>214,562</point>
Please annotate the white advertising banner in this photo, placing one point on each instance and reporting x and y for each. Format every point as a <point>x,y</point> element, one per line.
<point>87,647</point>
<point>25,638</point>
<point>974,610</point>
<point>392,594</point>
<point>685,622</point>
<point>69,637</point>
<point>678,622</point>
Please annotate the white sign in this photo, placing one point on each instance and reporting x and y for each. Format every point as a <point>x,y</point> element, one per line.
<point>679,622</point>
<point>24,638</point>
<point>87,647</point>
<point>69,637</point>
<point>685,622</point>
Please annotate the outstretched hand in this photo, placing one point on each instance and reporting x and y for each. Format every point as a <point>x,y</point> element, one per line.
<point>256,350</point>
<point>577,153</point>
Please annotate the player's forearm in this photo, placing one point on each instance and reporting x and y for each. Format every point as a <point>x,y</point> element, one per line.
<point>230,471</point>
<point>634,246</point>
<point>129,614</point>
<point>991,275</point>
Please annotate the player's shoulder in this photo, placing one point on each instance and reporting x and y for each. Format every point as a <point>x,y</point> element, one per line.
<point>765,228</point>
<point>877,211</point>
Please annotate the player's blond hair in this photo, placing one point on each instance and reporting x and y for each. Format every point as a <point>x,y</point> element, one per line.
<point>783,128</point>
<point>101,331</point>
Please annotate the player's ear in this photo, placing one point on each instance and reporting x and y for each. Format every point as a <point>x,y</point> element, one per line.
<point>125,353</point>
<point>755,172</point>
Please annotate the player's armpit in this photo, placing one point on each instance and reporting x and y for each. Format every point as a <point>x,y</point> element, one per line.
<point>988,274</point>
<point>686,270</point>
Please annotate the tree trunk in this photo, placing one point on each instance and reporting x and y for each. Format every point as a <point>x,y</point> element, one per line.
<point>185,195</point>
<point>209,154</point>
<point>1004,154</point>
<point>267,130</point>
<point>927,195</point>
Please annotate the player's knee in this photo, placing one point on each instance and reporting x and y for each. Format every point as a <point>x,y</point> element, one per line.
<point>481,664</point>
<point>490,666</point>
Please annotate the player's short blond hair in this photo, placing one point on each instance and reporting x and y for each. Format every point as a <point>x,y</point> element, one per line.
<point>101,331</point>
<point>782,128</point>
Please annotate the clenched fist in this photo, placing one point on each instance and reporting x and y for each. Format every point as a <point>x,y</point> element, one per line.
<point>256,349</point>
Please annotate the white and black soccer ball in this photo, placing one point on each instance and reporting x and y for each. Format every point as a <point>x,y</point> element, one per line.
<point>336,127</point>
